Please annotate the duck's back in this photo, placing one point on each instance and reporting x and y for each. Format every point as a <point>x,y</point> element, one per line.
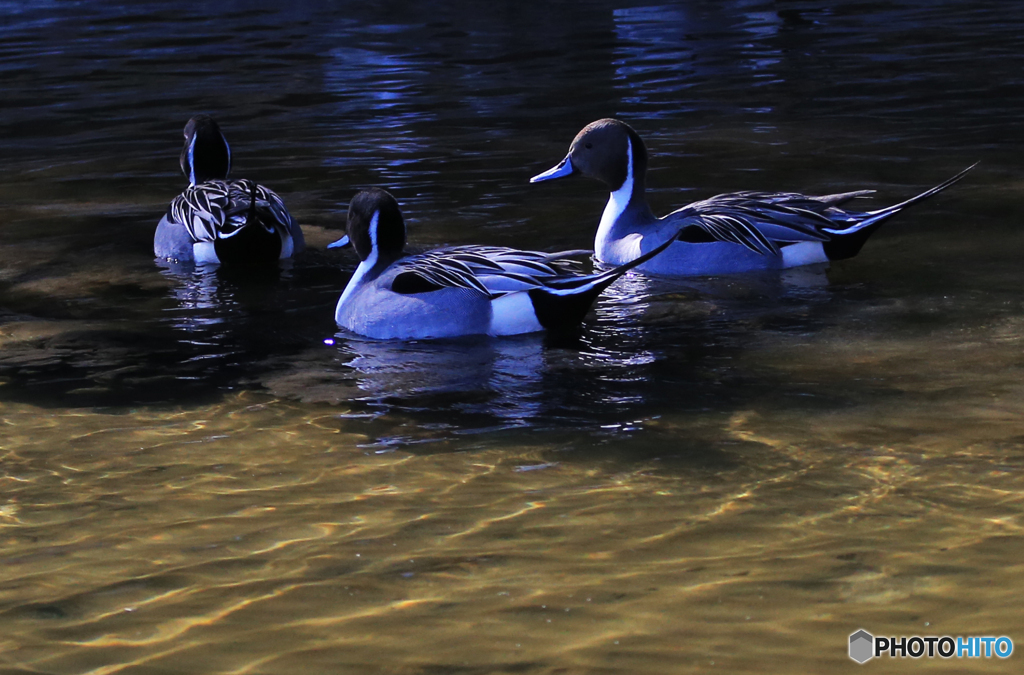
<point>213,222</point>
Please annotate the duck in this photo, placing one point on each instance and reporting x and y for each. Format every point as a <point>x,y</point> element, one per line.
<point>459,290</point>
<point>238,223</point>
<point>726,234</point>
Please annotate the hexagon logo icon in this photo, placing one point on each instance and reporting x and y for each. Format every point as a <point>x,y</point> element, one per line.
<point>862,646</point>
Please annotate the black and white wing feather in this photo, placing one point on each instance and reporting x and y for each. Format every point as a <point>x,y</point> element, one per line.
<point>217,209</point>
<point>761,221</point>
<point>490,270</point>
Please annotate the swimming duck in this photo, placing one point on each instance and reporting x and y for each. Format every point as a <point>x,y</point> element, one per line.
<point>238,223</point>
<point>460,290</point>
<point>729,233</point>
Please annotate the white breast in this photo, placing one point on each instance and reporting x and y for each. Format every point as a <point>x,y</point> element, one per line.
<point>803,253</point>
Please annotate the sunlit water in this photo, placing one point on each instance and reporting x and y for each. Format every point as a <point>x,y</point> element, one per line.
<point>721,475</point>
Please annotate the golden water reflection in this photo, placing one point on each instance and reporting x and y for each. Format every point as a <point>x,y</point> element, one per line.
<point>264,535</point>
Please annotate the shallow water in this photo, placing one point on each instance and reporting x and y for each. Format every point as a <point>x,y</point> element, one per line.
<point>722,474</point>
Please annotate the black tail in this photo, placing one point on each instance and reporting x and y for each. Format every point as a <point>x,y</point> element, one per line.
<point>847,245</point>
<point>253,244</point>
<point>563,303</point>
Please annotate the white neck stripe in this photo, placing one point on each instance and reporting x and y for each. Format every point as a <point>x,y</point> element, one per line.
<point>365,266</point>
<point>617,203</point>
<point>373,234</point>
<point>192,161</point>
<point>228,148</point>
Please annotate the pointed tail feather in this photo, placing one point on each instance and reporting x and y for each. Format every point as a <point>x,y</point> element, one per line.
<point>252,206</point>
<point>847,242</point>
<point>234,216</point>
<point>926,194</point>
<point>876,217</point>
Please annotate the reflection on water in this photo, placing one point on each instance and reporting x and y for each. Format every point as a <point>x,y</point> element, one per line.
<point>501,378</point>
<point>200,474</point>
<point>664,53</point>
<point>508,369</point>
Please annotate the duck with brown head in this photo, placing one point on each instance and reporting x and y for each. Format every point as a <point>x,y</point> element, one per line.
<point>238,223</point>
<point>460,290</point>
<point>729,233</point>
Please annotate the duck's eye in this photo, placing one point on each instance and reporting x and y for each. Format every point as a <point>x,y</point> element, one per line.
<point>588,146</point>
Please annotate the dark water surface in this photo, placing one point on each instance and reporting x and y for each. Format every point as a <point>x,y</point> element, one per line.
<point>726,474</point>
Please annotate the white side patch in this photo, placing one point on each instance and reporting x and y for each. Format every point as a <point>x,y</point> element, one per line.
<point>287,246</point>
<point>204,253</point>
<point>513,314</point>
<point>803,253</point>
<point>617,202</point>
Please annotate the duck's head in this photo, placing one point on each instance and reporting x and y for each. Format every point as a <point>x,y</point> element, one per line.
<point>608,150</point>
<point>375,225</point>
<point>206,155</point>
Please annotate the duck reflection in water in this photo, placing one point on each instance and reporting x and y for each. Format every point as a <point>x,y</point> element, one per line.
<point>437,367</point>
<point>221,305</point>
